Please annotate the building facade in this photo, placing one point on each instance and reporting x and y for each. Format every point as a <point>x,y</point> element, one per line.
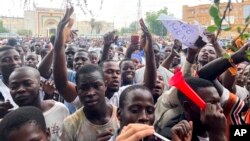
<point>200,13</point>
<point>43,22</point>
<point>13,24</point>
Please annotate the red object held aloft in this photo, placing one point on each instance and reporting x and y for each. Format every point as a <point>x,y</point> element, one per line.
<point>178,81</point>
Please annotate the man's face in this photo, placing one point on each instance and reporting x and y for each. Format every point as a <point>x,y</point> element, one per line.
<point>38,47</point>
<point>9,60</point>
<point>20,50</point>
<point>128,71</point>
<point>209,95</point>
<point>157,55</point>
<point>91,89</point>
<point>31,60</point>
<point>111,53</point>
<point>70,52</point>
<point>94,58</point>
<point>167,50</point>
<point>241,68</point>
<point>159,87</point>
<point>112,75</point>
<point>28,132</point>
<point>162,57</point>
<point>80,59</point>
<point>24,88</point>
<point>206,54</point>
<point>176,61</point>
<point>138,108</point>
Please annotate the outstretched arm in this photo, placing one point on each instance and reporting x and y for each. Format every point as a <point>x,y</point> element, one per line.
<point>174,52</point>
<point>150,69</point>
<point>215,68</point>
<point>45,66</point>
<point>109,38</point>
<point>64,35</point>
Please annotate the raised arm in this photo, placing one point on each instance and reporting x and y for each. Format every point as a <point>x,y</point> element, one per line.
<point>218,49</point>
<point>215,68</point>
<point>109,38</point>
<point>64,35</point>
<point>150,68</point>
<point>45,66</point>
<point>176,47</point>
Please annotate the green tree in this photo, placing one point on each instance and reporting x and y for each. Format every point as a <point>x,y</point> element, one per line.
<point>155,26</point>
<point>24,32</point>
<point>2,29</point>
<point>130,29</point>
<point>132,26</point>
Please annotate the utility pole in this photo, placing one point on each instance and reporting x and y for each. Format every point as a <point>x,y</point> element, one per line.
<point>138,14</point>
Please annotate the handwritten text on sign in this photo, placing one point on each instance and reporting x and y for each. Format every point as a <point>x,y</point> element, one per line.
<point>180,30</point>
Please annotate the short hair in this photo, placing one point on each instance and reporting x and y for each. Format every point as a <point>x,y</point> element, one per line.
<point>106,61</point>
<point>93,52</point>
<point>32,53</point>
<point>123,60</point>
<point>88,68</point>
<point>82,50</point>
<point>195,83</point>
<point>6,47</point>
<point>26,69</point>
<point>17,118</point>
<point>12,42</point>
<point>155,44</point>
<point>44,52</point>
<point>126,92</point>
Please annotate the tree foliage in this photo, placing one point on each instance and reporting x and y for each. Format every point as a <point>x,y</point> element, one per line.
<point>155,26</point>
<point>24,32</point>
<point>2,29</point>
<point>130,29</point>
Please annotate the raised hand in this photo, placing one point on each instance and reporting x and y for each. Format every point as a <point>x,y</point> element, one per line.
<point>182,131</point>
<point>146,38</point>
<point>105,136</point>
<point>4,108</point>
<point>64,33</point>
<point>48,86</point>
<point>213,119</point>
<point>110,38</point>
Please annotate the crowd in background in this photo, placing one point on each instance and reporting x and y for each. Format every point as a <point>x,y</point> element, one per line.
<point>72,88</point>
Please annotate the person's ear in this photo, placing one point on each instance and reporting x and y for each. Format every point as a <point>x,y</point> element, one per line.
<point>118,114</point>
<point>48,134</point>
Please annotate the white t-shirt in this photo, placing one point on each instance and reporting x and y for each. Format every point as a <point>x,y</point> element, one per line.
<point>114,100</point>
<point>166,74</point>
<point>241,92</point>
<point>6,94</point>
<point>54,120</point>
<point>77,127</point>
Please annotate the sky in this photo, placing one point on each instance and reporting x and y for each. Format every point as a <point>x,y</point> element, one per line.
<point>120,12</point>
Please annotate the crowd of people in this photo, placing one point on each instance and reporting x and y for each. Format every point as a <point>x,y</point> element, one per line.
<point>71,89</point>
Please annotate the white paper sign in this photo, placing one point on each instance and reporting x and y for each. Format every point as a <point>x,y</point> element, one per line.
<point>186,33</point>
